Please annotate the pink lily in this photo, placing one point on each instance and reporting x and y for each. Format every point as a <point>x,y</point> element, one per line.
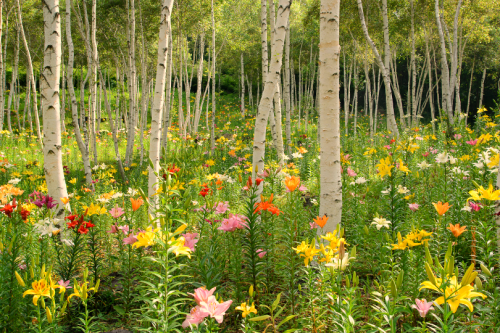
<point>202,294</point>
<point>422,306</point>
<point>194,317</point>
<point>215,309</point>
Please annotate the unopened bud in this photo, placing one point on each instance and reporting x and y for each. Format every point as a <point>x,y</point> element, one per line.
<point>49,315</point>
<point>485,270</point>
<point>479,284</point>
<point>341,250</point>
<point>19,279</point>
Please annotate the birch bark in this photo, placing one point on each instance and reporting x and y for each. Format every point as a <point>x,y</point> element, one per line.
<point>197,112</point>
<point>329,109</point>
<point>391,121</point>
<point>482,88</point>
<point>156,112</point>
<point>74,105</point>
<point>31,75</point>
<point>265,104</point>
<point>52,150</point>
<point>242,103</point>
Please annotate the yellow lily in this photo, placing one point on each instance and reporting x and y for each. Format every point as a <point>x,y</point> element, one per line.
<point>40,289</point>
<point>246,309</point>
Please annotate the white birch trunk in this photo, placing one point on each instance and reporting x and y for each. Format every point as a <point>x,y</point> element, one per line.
<point>168,93</point>
<point>263,38</point>
<point>212,126</point>
<point>279,132</point>
<point>445,74</point>
<point>265,104</point>
<point>197,112</point>
<point>329,109</point>
<point>470,88</point>
<point>391,121</point>
<point>131,79</point>
<point>156,112</point>
<point>31,75</point>
<point>74,105</point>
<point>13,85</point>
<point>482,89</point>
<point>287,91</point>
<point>93,82</point>
<point>242,106</point>
<point>52,150</point>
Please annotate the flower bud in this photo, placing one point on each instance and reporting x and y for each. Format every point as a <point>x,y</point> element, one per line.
<point>479,284</point>
<point>19,279</point>
<point>485,270</point>
<point>49,315</point>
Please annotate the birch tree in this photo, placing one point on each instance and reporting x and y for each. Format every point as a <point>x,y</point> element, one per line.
<point>197,112</point>
<point>242,105</point>
<point>49,82</point>
<point>271,80</point>
<point>74,105</point>
<point>156,112</point>
<point>384,66</point>
<point>30,72</point>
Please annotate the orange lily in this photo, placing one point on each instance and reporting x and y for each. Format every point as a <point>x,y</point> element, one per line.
<point>65,200</point>
<point>321,221</point>
<point>136,203</point>
<point>441,208</point>
<point>456,229</point>
<point>292,183</point>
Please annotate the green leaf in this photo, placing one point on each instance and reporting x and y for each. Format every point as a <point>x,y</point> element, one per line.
<point>260,318</point>
<point>119,309</point>
<point>285,320</point>
<point>276,302</point>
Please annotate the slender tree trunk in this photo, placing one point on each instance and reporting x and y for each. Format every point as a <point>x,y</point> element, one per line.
<point>13,84</point>
<point>445,74</point>
<point>391,121</point>
<point>263,35</point>
<point>2,81</point>
<point>74,105</point>
<point>396,90</point>
<point>431,96</point>
<point>131,79</point>
<point>454,68</point>
<point>279,132</point>
<point>347,93</point>
<point>265,105</point>
<point>329,109</point>
<point>113,131</point>
<point>377,96</point>
<point>145,89</point>
<point>31,75</point>
<point>199,84</point>
<point>93,82</point>
<point>250,94</point>
<point>156,112</point>
<point>52,150</point>
<point>355,98</point>
<point>413,69</point>
<point>369,98</point>
<point>287,92</point>
<point>168,92</point>
<point>242,105</point>
<point>482,88</point>
<point>212,127</point>
<point>470,87</point>
<point>180,95</point>
<point>63,92</point>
